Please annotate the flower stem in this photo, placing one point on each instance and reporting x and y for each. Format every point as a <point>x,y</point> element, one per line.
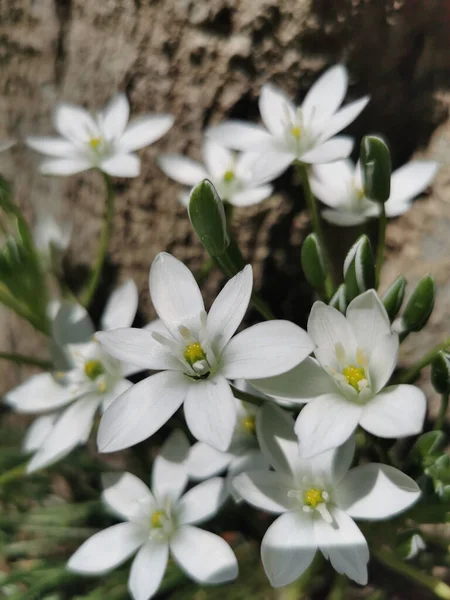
<point>381,244</point>
<point>413,371</point>
<point>339,588</point>
<point>442,412</point>
<point>316,222</point>
<point>21,359</point>
<point>256,400</point>
<point>14,473</point>
<point>94,281</point>
<point>435,585</point>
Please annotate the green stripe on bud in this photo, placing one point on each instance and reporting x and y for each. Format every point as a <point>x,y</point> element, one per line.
<point>359,268</point>
<point>207,216</point>
<point>393,297</point>
<point>420,305</point>
<point>313,262</point>
<point>440,373</point>
<point>339,299</point>
<point>376,168</point>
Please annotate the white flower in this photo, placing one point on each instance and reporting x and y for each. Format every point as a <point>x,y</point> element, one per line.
<point>318,499</point>
<point>157,522</point>
<point>231,174</point>
<point>50,234</point>
<point>87,379</point>
<point>356,356</point>
<point>199,356</point>
<point>292,133</point>
<point>105,141</point>
<point>339,186</point>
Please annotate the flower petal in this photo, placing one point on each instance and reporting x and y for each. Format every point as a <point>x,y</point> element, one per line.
<point>383,361</point>
<point>344,218</point>
<point>408,182</point>
<point>175,294</point>
<point>170,474</point>
<point>228,309</point>
<point>369,320</point>
<point>39,393</point>
<point>344,117</point>
<point>266,490</point>
<point>204,461</point>
<point>202,502</point>
<point>337,148</point>
<point>52,146</point>
<point>276,437</point>
<point>326,422</point>
<point>332,183</point>
<point>288,548</point>
<point>218,160</point>
<point>271,164</point>
<point>122,165</point>
<point>107,549</point>
<point>72,324</point>
<point>182,169</point>
<point>141,411</point>
<point>115,116</point>
<point>38,432</point>
<point>252,196</point>
<point>239,135</point>
<point>251,460</point>
<point>397,411</point>
<point>127,495</point>
<point>376,491</point>
<point>326,94</point>
<point>264,350</point>
<point>147,570</point>
<point>210,412</point>
<point>276,109</point>
<point>75,123</point>
<point>65,166</point>
<point>145,130</point>
<point>212,561</point>
<point>120,387</point>
<point>121,307</point>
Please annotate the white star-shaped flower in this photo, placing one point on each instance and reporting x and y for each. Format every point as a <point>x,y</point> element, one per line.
<point>158,522</point>
<point>230,173</point>
<point>345,386</point>
<point>105,141</point>
<point>305,133</point>
<point>318,499</point>
<point>339,186</point>
<point>86,379</point>
<point>198,355</point>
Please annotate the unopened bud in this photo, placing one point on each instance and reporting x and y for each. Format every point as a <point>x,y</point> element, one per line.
<point>207,216</point>
<point>440,373</point>
<point>393,297</point>
<point>420,305</point>
<point>339,299</point>
<point>313,262</point>
<point>376,168</point>
<point>359,268</point>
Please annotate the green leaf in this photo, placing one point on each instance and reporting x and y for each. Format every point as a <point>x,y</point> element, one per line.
<point>420,305</point>
<point>313,262</point>
<point>207,216</point>
<point>376,168</point>
<point>393,297</point>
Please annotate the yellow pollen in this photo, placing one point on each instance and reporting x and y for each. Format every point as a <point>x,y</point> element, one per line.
<point>295,131</point>
<point>193,353</point>
<point>93,368</point>
<point>313,497</point>
<point>359,193</point>
<point>249,424</point>
<point>157,518</point>
<point>354,375</point>
<point>101,386</point>
<point>229,176</point>
<point>94,143</point>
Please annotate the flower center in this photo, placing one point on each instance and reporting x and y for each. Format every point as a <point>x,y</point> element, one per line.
<point>296,132</point>
<point>157,519</point>
<point>194,353</point>
<point>313,497</point>
<point>229,176</point>
<point>249,424</point>
<point>93,369</point>
<point>94,143</point>
<point>355,376</point>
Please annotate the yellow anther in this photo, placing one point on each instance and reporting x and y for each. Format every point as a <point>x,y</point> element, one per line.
<point>229,176</point>
<point>101,386</point>
<point>313,497</point>
<point>93,368</point>
<point>157,519</point>
<point>354,375</point>
<point>193,353</point>
<point>249,424</point>
<point>359,193</point>
<point>94,143</point>
<point>296,132</point>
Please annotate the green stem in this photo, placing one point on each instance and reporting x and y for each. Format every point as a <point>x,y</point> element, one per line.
<point>339,589</point>
<point>252,399</point>
<point>21,359</point>
<point>381,244</point>
<point>442,412</point>
<point>435,585</point>
<point>316,222</point>
<point>94,281</point>
<point>204,270</point>
<point>413,371</point>
<point>12,474</point>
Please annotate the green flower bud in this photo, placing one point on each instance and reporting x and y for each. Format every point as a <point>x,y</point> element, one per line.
<point>376,168</point>
<point>410,543</point>
<point>207,216</point>
<point>359,268</point>
<point>313,262</point>
<point>440,373</point>
<point>420,305</point>
<point>428,444</point>
<point>393,297</point>
<point>339,299</point>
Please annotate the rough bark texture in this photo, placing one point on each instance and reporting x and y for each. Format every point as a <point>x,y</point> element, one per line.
<point>202,61</point>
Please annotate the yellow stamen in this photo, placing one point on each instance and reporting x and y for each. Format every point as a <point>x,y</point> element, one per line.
<point>313,497</point>
<point>296,132</point>
<point>101,386</point>
<point>354,375</point>
<point>193,353</point>
<point>249,424</point>
<point>359,194</point>
<point>229,176</point>
<point>157,518</point>
<point>94,143</point>
<point>93,368</point>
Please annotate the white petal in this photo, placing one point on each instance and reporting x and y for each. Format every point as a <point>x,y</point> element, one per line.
<point>326,94</point>
<point>121,307</point>
<point>288,548</point>
<point>107,549</point>
<point>266,490</point>
<point>122,165</point>
<point>38,432</point>
<point>137,347</point>
<point>39,393</point>
<point>408,182</point>
<point>210,412</point>
<point>148,569</point>
<point>218,160</point>
<point>52,146</point>
<point>383,361</point>
<point>170,474</point>
<point>239,135</point>
<point>182,169</point>
<point>326,422</point>
<point>252,460</point>
<point>115,117</point>
<point>65,166</point>
<point>72,324</point>
<point>270,165</point>
<point>144,131</point>
<point>175,294</point>
<point>397,411</point>
<point>228,309</point>
<point>276,109</point>
<point>141,411</point>
<point>120,387</point>
<point>202,502</point>
<point>204,461</point>
<point>369,320</point>
<point>127,495</point>
<point>264,350</point>
<point>335,149</point>
<point>203,556</point>
<point>344,545</point>
<point>276,437</point>
<point>344,218</point>
<point>376,491</point>
<point>344,117</point>
<point>74,123</point>
<point>71,429</point>
<point>337,177</point>
<point>252,196</point>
